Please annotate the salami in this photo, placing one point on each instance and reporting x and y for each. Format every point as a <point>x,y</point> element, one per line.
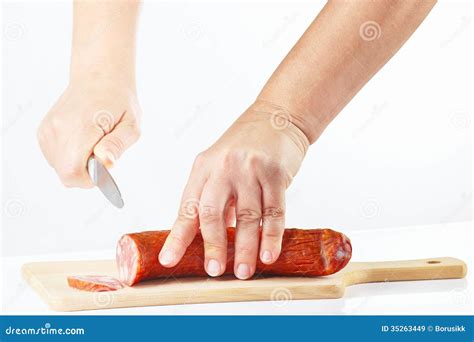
<point>305,252</point>
<point>95,283</point>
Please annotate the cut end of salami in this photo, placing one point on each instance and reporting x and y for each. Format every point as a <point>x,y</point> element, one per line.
<point>127,260</point>
<point>94,283</point>
<point>343,252</point>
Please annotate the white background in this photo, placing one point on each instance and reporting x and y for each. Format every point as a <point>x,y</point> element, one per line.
<point>399,154</point>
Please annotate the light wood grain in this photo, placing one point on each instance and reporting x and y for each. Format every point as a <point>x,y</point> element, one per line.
<point>48,279</point>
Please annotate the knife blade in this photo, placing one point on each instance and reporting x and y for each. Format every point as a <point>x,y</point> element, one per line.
<point>104,181</point>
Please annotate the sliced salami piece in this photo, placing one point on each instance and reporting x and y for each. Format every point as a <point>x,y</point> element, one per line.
<point>94,283</point>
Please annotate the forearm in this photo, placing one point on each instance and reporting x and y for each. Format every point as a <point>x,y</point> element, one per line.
<point>104,40</point>
<point>335,57</point>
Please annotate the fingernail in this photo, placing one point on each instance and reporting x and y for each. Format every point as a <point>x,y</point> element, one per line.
<point>213,268</point>
<point>243,271</point>
<point>111,158</point>
<point>267,256</point>
<point>167,257</point>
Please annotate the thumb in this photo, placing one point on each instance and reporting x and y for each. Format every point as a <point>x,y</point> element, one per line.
<point>112,145</point>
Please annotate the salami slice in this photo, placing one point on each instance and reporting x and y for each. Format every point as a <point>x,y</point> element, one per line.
<point>95,283</point>
<point>305,252</point>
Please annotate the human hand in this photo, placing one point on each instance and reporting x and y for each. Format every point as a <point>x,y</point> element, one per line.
<point>249,167</point>
<point>92,116</point>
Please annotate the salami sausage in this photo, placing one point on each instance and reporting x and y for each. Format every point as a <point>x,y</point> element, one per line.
<point>305,252</point>
<point>95,283</point>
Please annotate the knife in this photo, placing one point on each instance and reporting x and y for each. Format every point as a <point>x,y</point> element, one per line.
<point>104,181</point>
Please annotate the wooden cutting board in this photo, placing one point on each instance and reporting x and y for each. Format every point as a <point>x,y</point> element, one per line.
<point>48,279</point>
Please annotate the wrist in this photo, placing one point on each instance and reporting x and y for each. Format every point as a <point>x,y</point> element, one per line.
<point>309,119</point>
<point>103,83</point>
<point>102,73</point>
<point>280,119</point>
<point>310,126</point>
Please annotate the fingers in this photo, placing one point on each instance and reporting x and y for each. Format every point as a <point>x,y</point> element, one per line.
<point>213,205</point>
<point>71,166</point>
<point>248,214</point>
<point>186,224</point>
<point>273,223</point>
<point>112,145</point>
<point>67,150</point>
<point>72,171</point>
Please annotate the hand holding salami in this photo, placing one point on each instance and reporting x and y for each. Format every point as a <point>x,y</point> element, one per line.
<point>244,174</point>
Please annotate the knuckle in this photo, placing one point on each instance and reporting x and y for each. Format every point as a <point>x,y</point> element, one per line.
<point>274,169</point>
<point>235,158</point>
<point>273,214</point>
<point>71,175</point>
<point>248,215</point>
<point>44,132</point>
<point>200,160</point>
<point>247,160</point>
<point>276,174</point>
<point>228,159</point>
<point>135,130</point>
<point>116,143</point>
<point>55,124</point>
<point>254,160</point>
<point>189,210</point>
<point>185,217</point>
<point>210,214</point>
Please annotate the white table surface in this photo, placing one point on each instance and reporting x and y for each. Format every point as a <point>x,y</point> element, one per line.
<point>434,297</point>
